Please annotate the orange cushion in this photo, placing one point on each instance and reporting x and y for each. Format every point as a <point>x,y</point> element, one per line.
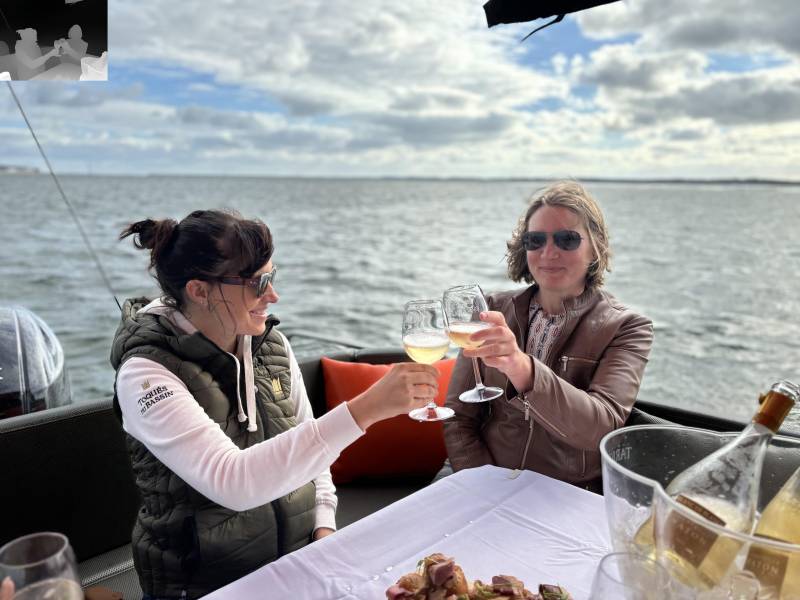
<point>396,446</point>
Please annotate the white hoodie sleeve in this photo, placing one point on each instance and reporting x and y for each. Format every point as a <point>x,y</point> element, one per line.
<point>326,491</point>
<point>159,411</point>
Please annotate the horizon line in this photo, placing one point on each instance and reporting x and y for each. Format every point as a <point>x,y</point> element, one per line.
<point>28,171</point>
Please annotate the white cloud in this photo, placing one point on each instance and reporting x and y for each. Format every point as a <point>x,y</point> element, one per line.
<point>420,88</point>
<point>732,25</point>
<point>319,56</point>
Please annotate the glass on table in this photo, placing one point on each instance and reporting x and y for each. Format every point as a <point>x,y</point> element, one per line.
<point>425,341</point>
<point>633,576</point>
<point>41,567</point>
<point>463,306</point>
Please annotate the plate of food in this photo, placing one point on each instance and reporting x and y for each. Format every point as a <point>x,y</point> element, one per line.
<point>438,577</point>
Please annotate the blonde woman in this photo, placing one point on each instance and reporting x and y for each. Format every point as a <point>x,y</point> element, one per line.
<point>569,356</point>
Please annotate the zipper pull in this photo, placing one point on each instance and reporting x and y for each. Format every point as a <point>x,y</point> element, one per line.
<point>527,410</point>
<point>564,361</point>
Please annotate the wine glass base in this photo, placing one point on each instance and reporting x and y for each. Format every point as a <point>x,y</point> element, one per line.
<point>440,413</point>
<point>483,394</point>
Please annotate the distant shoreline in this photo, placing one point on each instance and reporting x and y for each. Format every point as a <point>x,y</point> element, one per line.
<point>15,170</point>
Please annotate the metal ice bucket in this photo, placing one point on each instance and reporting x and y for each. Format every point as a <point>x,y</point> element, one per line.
<point>639,462</point>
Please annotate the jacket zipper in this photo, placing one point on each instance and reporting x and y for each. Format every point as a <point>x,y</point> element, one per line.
<point>538,416</point>
<point>530,433</point>
<point>564,362</point>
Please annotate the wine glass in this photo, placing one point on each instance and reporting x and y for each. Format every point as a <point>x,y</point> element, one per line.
<point>425,341</point>
<point>41,566</point>
<point>633,576</point>
<point>463,305</point>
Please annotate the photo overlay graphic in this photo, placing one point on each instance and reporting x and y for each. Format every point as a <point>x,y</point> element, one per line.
<point>54,40</point>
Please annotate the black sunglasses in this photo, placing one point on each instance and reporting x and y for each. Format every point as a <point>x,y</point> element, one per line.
<point>260,283</point>
<point>565,239</point>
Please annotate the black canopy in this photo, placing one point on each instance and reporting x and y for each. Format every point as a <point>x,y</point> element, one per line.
<point>519,11</point>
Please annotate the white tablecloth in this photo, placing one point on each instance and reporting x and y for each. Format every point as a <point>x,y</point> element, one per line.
<point>533,527</point>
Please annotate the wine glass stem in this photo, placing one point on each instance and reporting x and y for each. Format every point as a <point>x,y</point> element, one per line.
<point>478,381</point>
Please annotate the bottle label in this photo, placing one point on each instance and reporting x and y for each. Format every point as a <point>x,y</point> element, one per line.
<point>689,539</point>
<point>769,566</point>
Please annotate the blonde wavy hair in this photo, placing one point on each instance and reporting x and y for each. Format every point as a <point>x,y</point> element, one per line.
<point>571,195</point>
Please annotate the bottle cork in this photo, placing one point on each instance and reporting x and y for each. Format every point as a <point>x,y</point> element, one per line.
<point>775,405</point>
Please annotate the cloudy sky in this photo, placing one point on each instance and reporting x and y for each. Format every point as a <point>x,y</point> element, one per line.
<point>638,88</point>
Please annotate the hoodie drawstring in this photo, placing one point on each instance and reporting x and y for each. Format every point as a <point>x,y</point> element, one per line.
<point>240,414</point>
<point>249,381</point>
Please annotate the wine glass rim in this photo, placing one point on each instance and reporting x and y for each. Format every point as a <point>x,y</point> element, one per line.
<point>466,286</point>
<point>55,534</point>
<point>423,301</point>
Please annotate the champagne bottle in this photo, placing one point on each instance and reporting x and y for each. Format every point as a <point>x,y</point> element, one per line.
<point>777,570</point>
<point>723,488</point>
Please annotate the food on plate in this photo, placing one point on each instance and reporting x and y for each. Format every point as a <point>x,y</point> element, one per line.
<point>553,592</point>
<point>438,577</point>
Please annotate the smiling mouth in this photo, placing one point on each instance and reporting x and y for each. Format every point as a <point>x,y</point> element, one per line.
<point>259,313</point>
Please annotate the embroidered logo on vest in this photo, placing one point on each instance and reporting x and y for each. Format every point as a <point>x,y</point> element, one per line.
<point>276,386</point>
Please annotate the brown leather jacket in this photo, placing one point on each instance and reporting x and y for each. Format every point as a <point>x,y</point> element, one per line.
<point>584,389</point>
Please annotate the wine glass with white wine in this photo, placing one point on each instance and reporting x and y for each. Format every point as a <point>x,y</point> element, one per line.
<point>41,567</point>
<point>425,341</point>
<point>463,306</point>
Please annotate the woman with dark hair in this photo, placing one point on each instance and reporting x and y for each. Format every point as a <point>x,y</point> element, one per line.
<point>569,356</point>
<point>30,60</point>
<point>230,463</point>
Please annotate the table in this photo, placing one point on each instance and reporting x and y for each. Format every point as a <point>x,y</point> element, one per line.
<point>533,527</point>
<point>62,72</point>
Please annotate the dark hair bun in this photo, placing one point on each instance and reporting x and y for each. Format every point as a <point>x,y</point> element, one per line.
<point>150,234</point>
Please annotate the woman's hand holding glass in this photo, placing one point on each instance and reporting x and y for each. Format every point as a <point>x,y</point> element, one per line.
<point>498,349</point>
<point>425,341</point>
<point>407,386</point>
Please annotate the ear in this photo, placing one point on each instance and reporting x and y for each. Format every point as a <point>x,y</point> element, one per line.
<point>197,291</point>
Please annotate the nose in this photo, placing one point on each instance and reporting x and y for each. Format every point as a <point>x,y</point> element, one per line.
<point>550,250</point>
<point>271,295</point>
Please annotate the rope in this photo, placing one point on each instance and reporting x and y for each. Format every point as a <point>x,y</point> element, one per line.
<point>71,209</point>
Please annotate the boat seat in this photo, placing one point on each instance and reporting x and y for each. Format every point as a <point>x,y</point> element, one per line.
<point>71,474</point>
<point>640,417</point>
<point>113,570</point>
<point>358,498</point>
<point>311,368</point>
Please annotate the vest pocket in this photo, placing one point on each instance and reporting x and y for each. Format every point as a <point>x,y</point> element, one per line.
<point>237,542</point>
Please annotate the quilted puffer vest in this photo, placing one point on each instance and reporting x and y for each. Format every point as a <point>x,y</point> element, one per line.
<point>185,545</point>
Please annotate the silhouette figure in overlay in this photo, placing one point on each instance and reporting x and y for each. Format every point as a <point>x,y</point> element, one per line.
<point>8,62</point>
<point>72,50</point>
<point>30,60</point>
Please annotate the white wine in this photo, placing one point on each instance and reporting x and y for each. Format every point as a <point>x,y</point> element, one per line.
<point>701,556</point>
<point>459,333</point>
<point>426,346</point>
<point>723,489</point>
<point>51,589</point>
<point>779,572</point>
